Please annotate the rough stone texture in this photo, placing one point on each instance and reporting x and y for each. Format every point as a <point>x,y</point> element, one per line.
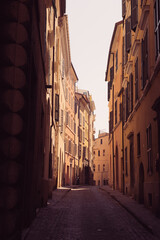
<point>13,77</point>
<point>11,147</point>
<point>85,213</point>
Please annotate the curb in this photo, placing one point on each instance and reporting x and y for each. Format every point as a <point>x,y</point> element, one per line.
<point>148,228</point>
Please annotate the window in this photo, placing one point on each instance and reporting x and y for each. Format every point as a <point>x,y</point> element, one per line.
<point>103,152</point>
<point>111,122</point>
<point>99,153</point>
<point>116,60</point>
<point>103,167</point>
<point>94,167</point>
<point>149,148</point>
<point>128,34</point>
<point>138,145</point>
<point>94,152</point>
<point>134,14</point>
<point>157,26</point>
<point>116,112</point>
<point>98,167</point>
<point>56,107</point>
<point>111,75</point>
<point>101,141</point>
<point>126,161</point>
<point>136,80</point>
<point>84,122</point>
<point>144,60</point>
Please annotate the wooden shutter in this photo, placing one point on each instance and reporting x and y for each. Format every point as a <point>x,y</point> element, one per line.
<point>116,60</point>
<point>144,60</point>
<point>56,107</point>
<point>128,34</point>
<point>115,112</point>
<point>111,121</point>
<point>134,14</point>
<point>111,75</point>
<point>123,8</point>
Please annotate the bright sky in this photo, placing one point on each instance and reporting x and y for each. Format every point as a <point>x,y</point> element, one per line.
<point>91,24</point>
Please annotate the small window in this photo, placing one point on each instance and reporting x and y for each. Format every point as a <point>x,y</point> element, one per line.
<point>94,152</point>
<point>101,141</point>
<point>103,167</point>
<point>138,145</point>
<point>98,152</point>
<point>103,152</point>
<point>98,167</point>
<point>94,167</point>
<point>116,60</point>
<point>116,112</point>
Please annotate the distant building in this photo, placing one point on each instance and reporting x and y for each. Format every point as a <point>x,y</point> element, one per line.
<point>101,160</point>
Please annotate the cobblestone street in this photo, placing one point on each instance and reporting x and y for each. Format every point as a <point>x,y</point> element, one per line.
<point>85,213</point>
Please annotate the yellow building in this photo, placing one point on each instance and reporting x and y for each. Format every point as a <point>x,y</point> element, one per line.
<point>70,127</point>
<point>114,78</point>
<point>141,101</point>
<point>85,145</point>
<point>101,161</point>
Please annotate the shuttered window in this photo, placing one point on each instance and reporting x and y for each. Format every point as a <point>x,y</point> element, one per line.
<point>116,112</point>
<point>157,26</point>
<point>144,60</point>
<point>116,60</point>
<point>134,14</point>
<point>136,80</point>
<point>111,122</point>
<point>66,118</point>
<point>79,150</point>
<point>111,75</point>
<point>128,34</point>
<point>56,107</point>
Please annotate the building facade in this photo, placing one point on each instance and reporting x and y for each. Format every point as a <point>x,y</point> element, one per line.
<point>101,161</point>
<point>140,102</point>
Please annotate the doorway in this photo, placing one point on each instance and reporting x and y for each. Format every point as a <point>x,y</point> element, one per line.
<point>141,184</point>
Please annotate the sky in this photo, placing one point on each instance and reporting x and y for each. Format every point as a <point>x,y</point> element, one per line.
<point>91,25</point>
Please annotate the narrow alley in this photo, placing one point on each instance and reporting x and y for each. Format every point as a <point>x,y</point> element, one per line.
<point>85,213</point>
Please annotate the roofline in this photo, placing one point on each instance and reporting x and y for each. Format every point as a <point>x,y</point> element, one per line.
<point>113,35</point>
<point>74,71</point>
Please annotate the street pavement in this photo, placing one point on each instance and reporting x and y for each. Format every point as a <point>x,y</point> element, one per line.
<point>88,213</point>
